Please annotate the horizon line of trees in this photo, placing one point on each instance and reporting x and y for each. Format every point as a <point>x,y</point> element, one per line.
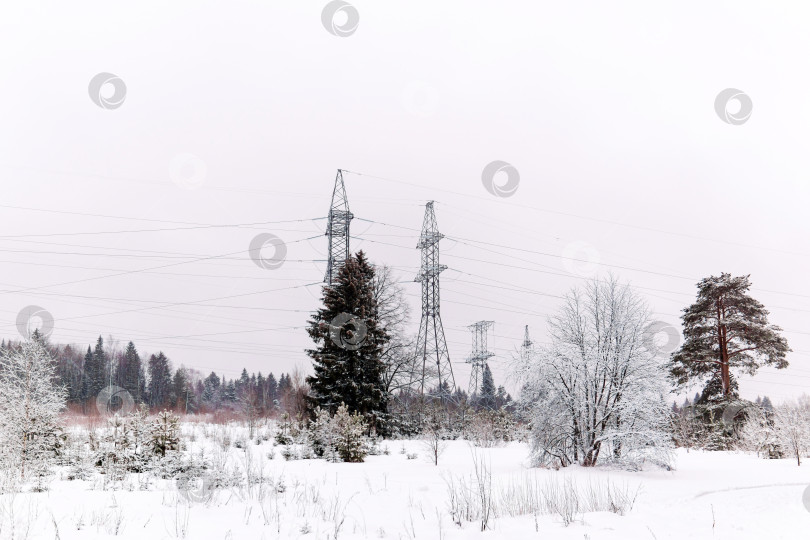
<point>154,382</point>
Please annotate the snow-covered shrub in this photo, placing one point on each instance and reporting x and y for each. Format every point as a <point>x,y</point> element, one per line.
<point>301,444</point>
<point>791,423</point>
<point>687,429</point>
<point>373,444</point>
<point>487,428</point>
<point>558,495</point>
<point>758,434</point>
<point>288,429</point>
<point>31,436</point>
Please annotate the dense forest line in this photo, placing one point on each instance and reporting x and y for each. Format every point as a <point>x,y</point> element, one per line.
<point>153,380</point>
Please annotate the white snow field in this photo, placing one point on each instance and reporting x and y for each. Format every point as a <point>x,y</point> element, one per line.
<point>718,495</point>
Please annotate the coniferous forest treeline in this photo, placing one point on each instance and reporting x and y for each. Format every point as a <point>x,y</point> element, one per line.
<point>152,380</point>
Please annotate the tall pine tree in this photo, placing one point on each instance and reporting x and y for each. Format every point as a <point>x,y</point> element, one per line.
<point>347,357</point>
<point>724,330</point>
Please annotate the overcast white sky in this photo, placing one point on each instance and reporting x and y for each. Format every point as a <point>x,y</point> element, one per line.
<point>605,109</point>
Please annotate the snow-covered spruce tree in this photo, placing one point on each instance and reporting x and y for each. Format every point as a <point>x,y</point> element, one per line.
<point>349,429</point>
<point>349,343</point>
<point>160,381</point>
<point>115,449</point>
<point>30,404</point>
<point>324,435</point>
<point>164,433</point>
<point>133,377</point>
<point>487,398</point>
<point>140,437</point>
<point>596,391</point>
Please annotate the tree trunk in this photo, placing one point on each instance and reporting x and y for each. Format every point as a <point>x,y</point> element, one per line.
<point>722,338</point>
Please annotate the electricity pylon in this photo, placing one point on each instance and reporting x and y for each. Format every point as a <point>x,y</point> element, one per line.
<point>479,356</point>
<point>526,346</point>
<point>337,229</point>
<point>431,345</point>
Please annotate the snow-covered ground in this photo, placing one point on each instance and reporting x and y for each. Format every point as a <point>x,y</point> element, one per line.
<point>719,495</point>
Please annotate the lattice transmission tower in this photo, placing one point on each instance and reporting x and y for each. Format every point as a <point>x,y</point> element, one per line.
<point>431,345</point>
<point>480,354</point>
<point>337,229</point>
<point>526,346</point>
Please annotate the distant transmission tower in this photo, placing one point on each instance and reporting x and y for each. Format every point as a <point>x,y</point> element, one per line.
<point>526,346</point>
<point>479,356</point>
<point>337,229</point>
<point>431,346</point>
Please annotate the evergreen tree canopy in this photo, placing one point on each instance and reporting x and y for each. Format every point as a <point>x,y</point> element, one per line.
<point>349,344</point>
<point>726,329</point>
<point>160,380</point>
<point>487,389</point>
<point>133,379</point>
<point>94,363</point>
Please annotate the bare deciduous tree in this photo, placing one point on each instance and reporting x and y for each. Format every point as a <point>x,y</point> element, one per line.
<point>792,427</point>
<point>434,433</point>
<point>602,389</point>
<point>393,315</point>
